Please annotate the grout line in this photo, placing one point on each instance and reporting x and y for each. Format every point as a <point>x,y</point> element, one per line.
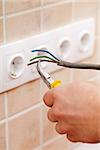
<point>71,75</point>
<point>41,15</point>
<point>98,37</point>
<point>49,142</point>
<point>18,114</point>
<point>2,121</point>
<point>1,17</point>
<point>41,121</point>
<point>37,9</point>
<point>4,23</point>
<point>42,3</point>
<point>94,78</point>
<point>6,125</point>
<point>41,127</point>
<point>23,12</point>
<point>73,11</point>
<point>52,140</point>
<point>24,111</point>
<point>57,4</point>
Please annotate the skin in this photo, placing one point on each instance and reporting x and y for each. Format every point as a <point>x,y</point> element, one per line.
<point>75,110</point>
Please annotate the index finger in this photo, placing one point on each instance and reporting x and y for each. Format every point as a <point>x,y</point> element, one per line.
<point>48,98</point>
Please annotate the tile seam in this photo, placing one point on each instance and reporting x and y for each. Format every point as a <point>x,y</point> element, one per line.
<point>36,9</point>
<point>4,24</point>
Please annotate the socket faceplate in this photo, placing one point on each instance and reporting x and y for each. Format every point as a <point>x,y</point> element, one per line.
<point>74,33</point>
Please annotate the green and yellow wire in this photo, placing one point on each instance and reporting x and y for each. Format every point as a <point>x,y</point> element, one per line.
<point>42,58</point>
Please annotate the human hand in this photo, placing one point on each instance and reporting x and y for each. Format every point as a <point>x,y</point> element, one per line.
<point>76,110</point>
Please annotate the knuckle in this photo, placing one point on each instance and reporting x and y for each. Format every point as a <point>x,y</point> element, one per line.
<point>58,130</point>
<point>54,94</point>
<point>45,97</point>
<point>71,138</point>
<point>56,112</point>
<point>50,116</point>
<point>61,129</point>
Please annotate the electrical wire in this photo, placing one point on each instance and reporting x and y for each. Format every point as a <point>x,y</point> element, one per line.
<point>79,66</point>
<point>63,63</point>
<point>39,57</point>
<point>42,60</point>
<point>41,50</point>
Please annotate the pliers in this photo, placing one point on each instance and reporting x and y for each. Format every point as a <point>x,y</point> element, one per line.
<point>47,78</point>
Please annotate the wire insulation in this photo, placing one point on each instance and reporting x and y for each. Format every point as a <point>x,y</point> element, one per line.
<point>45,51</point>
<point>63,63</point>
<point>39,57</point>
<point>79,66</point>
<point>42,60</point>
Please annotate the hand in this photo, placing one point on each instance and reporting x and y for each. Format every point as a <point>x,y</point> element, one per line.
<point>76,110</point>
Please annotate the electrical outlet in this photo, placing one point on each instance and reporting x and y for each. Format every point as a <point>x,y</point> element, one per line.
<point>73,43</point>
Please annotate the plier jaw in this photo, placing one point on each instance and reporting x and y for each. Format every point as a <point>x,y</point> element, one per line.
<point>46,77</point>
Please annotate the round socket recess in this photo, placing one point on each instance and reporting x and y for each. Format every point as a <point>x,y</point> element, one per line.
<point>16,66</point>
<point>85,41</point>
<point>65,47</point>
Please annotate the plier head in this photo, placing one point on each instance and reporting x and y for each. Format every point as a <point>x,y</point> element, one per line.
<point>46,77</point>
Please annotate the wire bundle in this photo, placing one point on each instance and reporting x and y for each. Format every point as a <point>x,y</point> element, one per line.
<point>53,59</point>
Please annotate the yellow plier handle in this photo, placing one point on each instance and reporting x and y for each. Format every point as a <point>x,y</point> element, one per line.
<point>47,78</point>
<point>56,83</point>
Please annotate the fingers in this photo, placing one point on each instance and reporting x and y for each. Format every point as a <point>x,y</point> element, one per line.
<point>48,98</point>
<point>62,128</point>
<point>51,116</point>
<point>72,138</point>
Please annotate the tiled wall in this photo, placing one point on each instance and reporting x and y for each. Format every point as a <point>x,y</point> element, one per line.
<point>23,121</point>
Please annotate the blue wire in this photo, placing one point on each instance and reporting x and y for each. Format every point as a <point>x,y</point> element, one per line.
<point>41,50</point>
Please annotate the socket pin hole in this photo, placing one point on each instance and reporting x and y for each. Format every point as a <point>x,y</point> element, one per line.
<point>85,42</point>
<point>65,47</point>
<point>17,66</point>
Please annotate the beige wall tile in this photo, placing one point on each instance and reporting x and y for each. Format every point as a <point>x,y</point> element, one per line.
<point>98,48</point>
<point>1,8</point>
<point>64,75</point>
<point>98,22</point>
<point>57,16</point>
<point>1,31</point>
<point>97,82</point>
<point>2,137</point>
<point>84,10</point>
<point>86,1</point>
<point>48,127</point>
<point>60,144</point>
<point>87,74</point>
<point>23,26</point>
<point>84,75</point>
<point>23,97</point>
<point>50,1</point>
<point>24,131</point>
<point>13,6</point>
<point>2,111</point>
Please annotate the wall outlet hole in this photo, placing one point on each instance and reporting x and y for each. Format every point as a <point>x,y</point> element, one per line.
<point>85,42</point>
<point>16,66</point>
<point>65,47</point>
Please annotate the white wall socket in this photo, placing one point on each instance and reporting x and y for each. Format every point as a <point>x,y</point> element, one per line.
<point>73,43</point>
